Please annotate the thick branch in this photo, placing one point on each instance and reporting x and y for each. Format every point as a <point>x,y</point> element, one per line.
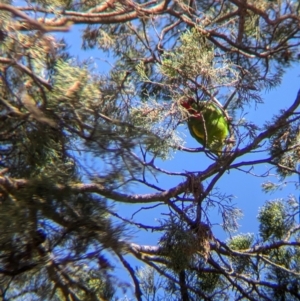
<point>164,196</point>
<point>32,22</point>
<point>131,12</point>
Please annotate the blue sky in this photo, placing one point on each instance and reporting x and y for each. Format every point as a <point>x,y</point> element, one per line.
<point>245,188</point>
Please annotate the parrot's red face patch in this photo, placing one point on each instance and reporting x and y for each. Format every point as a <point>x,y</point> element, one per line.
<point>188,103</point>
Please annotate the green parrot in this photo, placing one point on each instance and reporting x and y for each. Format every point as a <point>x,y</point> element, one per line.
<point>207,124</point>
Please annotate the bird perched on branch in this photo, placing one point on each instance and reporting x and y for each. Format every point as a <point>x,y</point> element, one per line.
<point>207,124</point>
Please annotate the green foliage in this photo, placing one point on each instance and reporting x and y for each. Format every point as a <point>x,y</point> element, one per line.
<point>180,244</point>
<point>284,148</point>
<point>241,242</point>
<point>274,221</point>
<point>82,145</point>
<point>208,282</point>
<point>150,117</point>
<point>284,259</point>
<point>176,65</point>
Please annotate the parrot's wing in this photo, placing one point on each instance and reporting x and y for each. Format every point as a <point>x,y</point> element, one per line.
<point>218,132</point>
<point>196,130</point>
<point>216,122</point>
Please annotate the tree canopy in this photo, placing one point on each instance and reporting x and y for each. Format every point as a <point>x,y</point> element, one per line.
<point>80,140</point>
